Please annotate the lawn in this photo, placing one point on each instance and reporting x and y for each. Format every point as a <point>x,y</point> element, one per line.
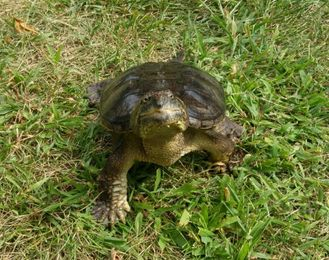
<point>272,58</point>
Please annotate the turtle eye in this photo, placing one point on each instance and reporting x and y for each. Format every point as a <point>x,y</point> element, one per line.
<point>169,94</point>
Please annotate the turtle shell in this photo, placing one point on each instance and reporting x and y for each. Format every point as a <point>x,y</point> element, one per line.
<point>200,92</point>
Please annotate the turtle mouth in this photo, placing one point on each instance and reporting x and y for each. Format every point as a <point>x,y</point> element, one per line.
<point>153,129</point>
<point>155,119</point>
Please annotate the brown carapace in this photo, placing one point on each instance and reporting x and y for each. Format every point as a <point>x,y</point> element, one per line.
<point>157,113</point>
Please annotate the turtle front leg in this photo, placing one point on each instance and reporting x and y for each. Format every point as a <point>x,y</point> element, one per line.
<point>219,143</point>
<point>112,204</point>
<point>219,148</point>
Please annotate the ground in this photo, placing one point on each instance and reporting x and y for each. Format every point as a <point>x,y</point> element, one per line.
<point>271,58</point>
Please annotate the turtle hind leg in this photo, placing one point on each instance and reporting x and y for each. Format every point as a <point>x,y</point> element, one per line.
<point>221,147</point>
<point>94,92</point>
<point>218,146</point>
<point>229,129</point>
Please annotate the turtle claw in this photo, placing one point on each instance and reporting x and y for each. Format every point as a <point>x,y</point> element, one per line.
<point>219,167</point>
<point>107,213</point>
<point>118,212</point>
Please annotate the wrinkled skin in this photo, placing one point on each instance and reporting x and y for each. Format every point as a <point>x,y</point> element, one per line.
<point>161,133</point>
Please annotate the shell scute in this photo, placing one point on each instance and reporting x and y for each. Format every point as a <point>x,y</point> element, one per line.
<point>200,92</point>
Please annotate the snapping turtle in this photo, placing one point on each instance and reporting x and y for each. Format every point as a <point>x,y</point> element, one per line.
<point>158,112</point>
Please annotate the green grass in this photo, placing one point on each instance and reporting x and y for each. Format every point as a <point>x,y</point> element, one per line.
<point>272,59</point>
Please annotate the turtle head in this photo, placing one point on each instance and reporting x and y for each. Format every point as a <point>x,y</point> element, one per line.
<point>159,114</point>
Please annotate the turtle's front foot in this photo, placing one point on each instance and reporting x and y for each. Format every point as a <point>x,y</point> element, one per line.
<point>218,167</point>
<point>111,212</point>
<point>119,209</point>
<point>235,159</point>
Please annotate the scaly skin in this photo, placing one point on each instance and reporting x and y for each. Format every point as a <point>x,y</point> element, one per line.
<point>112,204</point>
<point>162,150</point>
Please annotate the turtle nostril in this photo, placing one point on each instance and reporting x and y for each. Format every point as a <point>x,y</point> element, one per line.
<point>146,99</point>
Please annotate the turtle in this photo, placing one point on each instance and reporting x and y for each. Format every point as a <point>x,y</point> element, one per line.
<point>157,112</point>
